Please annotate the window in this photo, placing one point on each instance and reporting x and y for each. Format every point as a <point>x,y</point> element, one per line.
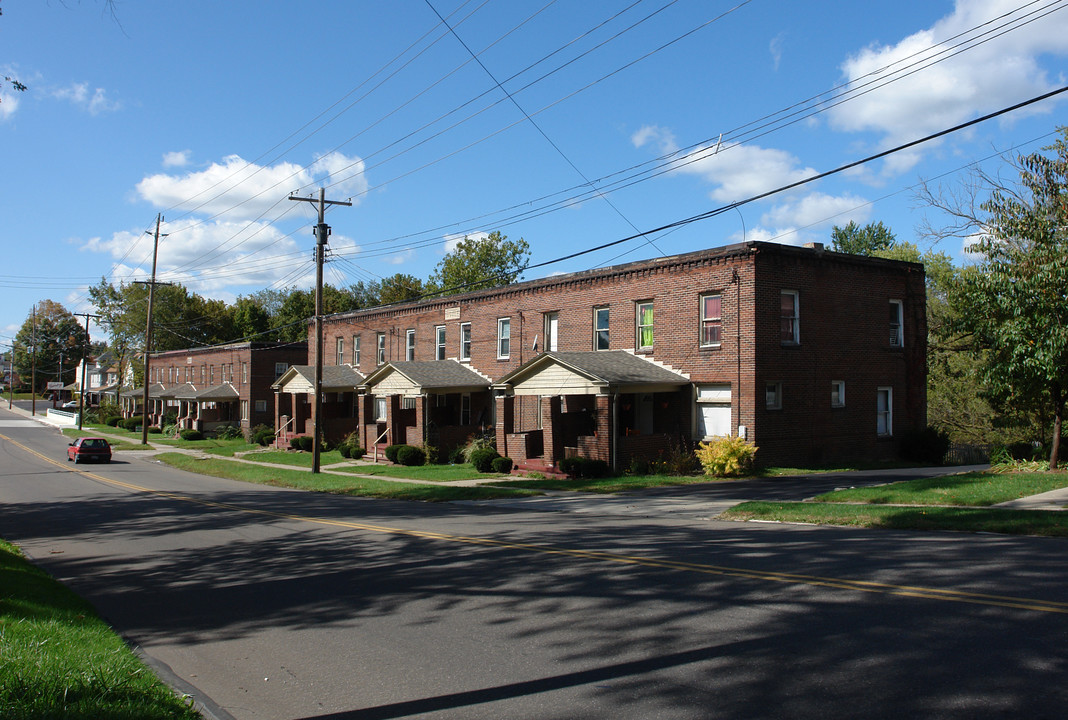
<point>409,345</point>
<point>711,320</point>
<point>897,337</point>
<point>381,358</point>
<point>884,412</point>
<point>408,403</point>
<point>837,393</point>
<point>644,318</point>
<point>600,328</point>
<point>465,409</point>
<point>465,341</point>
<point>439,342</point>
<point>261,406</point>
<point>552,329</point>
<point>773,396</point>
<point>170,375</point>
<point>504,337</point>
<point>244,410</point>
<point>203,374</point>
<point>211,374</point>
<point>713,410</point>
<point>340,355</point>
<point>244,373</point>
<point>791,331</point>
<point>381,406</point>
<point>355,350</point>
<point>280,369</point>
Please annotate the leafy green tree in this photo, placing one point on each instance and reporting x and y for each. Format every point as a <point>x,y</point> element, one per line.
<point>862,240</point>
<point>399,288</point>
<point>250,320</point>
<point>60,343</point>
<point>1015,303</point>
<point>479,263</point>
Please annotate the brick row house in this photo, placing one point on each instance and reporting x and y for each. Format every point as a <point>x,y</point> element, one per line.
<point>210,388</point>
<point>815,356</point>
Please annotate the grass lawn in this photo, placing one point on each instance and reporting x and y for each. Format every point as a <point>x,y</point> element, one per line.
<point>59,660</point>
<point>927,504</point>
<point>975,488</point>
<point>327,482</point>
<point>622,483</point>
<point>293,459</point>
<point>433,473</point>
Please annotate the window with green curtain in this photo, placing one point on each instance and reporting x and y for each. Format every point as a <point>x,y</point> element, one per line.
<point>645,325</point>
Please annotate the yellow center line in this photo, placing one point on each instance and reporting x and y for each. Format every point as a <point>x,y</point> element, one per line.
<point>869,586</point>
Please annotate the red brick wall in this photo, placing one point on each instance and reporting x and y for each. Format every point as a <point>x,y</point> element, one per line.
<point>844,311</point>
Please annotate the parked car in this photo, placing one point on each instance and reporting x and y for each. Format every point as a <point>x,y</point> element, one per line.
<point>89,448</point>
<point>69,404</point>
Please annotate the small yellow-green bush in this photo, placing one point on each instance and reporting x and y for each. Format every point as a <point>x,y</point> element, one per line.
<point>726,456</point>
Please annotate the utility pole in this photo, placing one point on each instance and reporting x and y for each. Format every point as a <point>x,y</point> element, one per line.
<point>33,366</point>
<point>85,362</point>
<point>321,232</point>
<point>148,331</point>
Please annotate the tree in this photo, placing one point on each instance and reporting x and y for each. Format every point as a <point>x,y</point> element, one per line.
<point>479,263</point>
<point>1015,303</point>
<point>866,240</point>
<point>399,288</point>
<point>60,341</point>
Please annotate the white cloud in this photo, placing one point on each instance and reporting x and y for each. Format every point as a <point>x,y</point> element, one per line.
<point>237,190</point>
<point>992,75</point>
<point>9,102</point>
<point>817,210</point>
<point>742,171</point>
<point>775,48</point>
<point>661,137</point>
<point>79,95</point>
<point>176,159</point>
<point>451,241</point>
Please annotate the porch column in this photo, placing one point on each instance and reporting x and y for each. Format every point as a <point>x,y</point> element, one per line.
<point>603,425</point>
<point>505,422</point>
<point>550,414</point>
<point>420,418</point>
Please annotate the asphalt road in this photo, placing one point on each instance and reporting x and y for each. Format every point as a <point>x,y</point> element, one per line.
<point>272,603</point>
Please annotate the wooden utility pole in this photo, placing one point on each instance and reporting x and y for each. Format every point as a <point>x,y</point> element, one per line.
<point>33,366</point>
<point>322,231</point>
<point>148,333</point>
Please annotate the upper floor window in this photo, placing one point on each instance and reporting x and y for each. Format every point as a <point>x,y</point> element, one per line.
<point>600,328</point>
<point>552,330</point>
<point>711,320</point>
<point>439,342</point>
<point>381,358</point>
<point>884,411</point>
<point>643,315</point>
<point>773,396</point>
<point>340,360</point>
<point>355,350</point>
<point>465,341</point>
<point>211,374</point>
<point>897,335</point>
<point>409,345</point>
<point>244,373</point>
<point>279,369</point>
<point>504,337</point>
<point>791,328</point>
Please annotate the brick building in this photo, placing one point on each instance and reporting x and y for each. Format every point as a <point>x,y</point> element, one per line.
<point>815,356</point>
<point>209,388</point>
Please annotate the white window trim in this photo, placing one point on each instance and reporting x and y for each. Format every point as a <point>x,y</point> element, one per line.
<point>355,350</point>
<point>409,345</point>
<point>638,326</point>
<point>380,356</point>
<point>776,403</point>
<point>340,351</point>
<point>796,317</point>
<point>701,312</point>
<point>465,341</point>
<point>897,336</point>
<point>504,344</point>
<point>889,412</point>
<point>840,385</point>
<point>607,329</point>
<point>439,342</point>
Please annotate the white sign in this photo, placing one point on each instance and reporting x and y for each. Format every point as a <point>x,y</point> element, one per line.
<point>54,386</point>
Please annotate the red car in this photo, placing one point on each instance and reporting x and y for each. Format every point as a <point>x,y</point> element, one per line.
<point>89,448</point>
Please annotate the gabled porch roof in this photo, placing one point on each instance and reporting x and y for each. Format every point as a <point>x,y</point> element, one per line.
<point>412,377</point>
<point>185,391</point>
<point>155,390</point>
<point>301,379</point>
<point>590,373</point>
<point>218,393</point>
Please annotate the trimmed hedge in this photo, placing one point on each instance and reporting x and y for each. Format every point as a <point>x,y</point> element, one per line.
<point>482,460</point>
<point>580,467</point>
<point>411,456</point>
<point>502,465</point>
<point>391,452</point>
<point>191,435</point>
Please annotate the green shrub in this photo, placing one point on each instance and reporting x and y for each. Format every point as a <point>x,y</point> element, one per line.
<point>391,452</point>
<point>262,435</point>
<point>502,465</point>
<point>170,430</point>
<point>482,459</point>
<point>569,466</point>
<point>191,435</point>
<point>112,420</point>
<point>411,456</point>
<point>929,445</point>
<point>305,443</point>
<point>154,430</point>
<point>356,452</point>
<point>130,423</point>
<point>170,418</point>
<point>433,454</point>
<point>345,449</point>
<point>639,466</point>
<point>580,467</point>
<point>457,457</point>
<point>230,432</point>
<point>485,441</point>
<point>726,456</point>
<point>294,443</point>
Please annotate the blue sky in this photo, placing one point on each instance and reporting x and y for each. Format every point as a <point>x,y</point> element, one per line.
<point>214,113</point>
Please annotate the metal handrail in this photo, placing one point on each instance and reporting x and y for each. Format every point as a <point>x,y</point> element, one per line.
<point>385,433</point>
<point>282,429</point>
